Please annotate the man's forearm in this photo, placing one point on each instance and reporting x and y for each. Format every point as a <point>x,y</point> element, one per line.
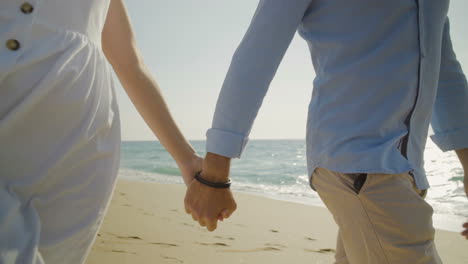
<point>216,167</point>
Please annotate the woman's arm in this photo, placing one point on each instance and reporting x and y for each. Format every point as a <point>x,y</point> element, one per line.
<point>463,156</point>
<point>118,44</point>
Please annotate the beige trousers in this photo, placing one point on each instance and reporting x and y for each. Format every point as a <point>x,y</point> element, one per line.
<point>382,218</point>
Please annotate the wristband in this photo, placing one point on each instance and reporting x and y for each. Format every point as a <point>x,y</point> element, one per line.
<point>217,185</point>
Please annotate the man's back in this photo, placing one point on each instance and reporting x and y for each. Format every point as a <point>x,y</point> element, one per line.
<point>377,69</point>
<point>382,68</point>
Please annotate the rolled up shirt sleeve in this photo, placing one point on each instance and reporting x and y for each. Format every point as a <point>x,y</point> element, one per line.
<point>252,69</point>
<point>450,116</point>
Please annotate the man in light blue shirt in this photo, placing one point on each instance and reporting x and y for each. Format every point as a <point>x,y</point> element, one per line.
<point>385,70</point>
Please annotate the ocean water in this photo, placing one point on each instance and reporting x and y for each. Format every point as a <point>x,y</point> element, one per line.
<point>277,169</point>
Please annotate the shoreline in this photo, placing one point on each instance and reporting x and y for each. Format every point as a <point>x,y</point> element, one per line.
<point>446,222</point>
<point>146,223</point>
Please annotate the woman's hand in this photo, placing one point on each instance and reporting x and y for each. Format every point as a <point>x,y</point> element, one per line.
<point>190,168</point>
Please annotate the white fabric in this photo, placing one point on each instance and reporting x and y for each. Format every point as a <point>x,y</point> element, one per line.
<point>59,130</point>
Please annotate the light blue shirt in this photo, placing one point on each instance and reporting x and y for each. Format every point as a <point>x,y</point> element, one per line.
<point>384,69</point>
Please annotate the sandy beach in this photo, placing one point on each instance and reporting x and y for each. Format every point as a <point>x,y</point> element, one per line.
<point>146,223</point>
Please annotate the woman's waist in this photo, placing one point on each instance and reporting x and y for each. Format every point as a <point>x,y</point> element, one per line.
<point>43,42</point>
<point>23,19</point>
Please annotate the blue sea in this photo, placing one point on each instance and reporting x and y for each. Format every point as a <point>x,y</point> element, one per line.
<point>277,169</point>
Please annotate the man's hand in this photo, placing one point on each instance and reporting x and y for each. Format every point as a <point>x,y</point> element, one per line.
<point>206,204</point>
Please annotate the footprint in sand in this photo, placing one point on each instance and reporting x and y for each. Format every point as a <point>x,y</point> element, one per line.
<point>172,258</point>
<point>145,212</point>
<point>275,245</point>
<point>163,244</point>
<point>123,251</point>
<point>251,250</point>
<point>226,238</point>
<point>322,250</point>
<point>127,237</point>
<point>141,239</point>
<point>213,244</point>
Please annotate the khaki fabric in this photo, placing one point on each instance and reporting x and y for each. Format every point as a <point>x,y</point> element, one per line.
<point>387,221</point>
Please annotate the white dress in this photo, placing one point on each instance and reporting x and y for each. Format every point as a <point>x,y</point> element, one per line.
<point>59,129</point>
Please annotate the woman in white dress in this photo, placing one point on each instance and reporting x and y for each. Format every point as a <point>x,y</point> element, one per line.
<point>59,123</point>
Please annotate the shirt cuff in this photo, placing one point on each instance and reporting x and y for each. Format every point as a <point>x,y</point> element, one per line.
<point>453,140</point>
<point>225,143</point>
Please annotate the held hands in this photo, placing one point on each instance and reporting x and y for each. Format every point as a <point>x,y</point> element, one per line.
<point>206,204</point>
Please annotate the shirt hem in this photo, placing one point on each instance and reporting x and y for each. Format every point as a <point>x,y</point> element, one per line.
<point>420,184</point>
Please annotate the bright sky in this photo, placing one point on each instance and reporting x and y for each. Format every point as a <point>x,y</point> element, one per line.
<point>188,46</point>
